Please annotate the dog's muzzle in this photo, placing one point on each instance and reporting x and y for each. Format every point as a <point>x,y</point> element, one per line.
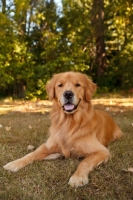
<point>69,105</point>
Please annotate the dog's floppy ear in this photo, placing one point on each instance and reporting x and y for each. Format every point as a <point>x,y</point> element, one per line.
<point>50,88</point>
<point>90,88</point>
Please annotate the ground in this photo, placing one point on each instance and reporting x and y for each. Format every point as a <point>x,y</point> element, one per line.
<point>24,126</point>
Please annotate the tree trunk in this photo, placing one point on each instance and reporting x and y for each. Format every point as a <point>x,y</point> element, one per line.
<point>98,24</point>
<point>3,6</point>
<point>19,90</point>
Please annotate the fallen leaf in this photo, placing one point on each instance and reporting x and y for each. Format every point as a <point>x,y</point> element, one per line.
<point>30,147</point>
<point>130,169</point>
<point>1,125</point>
<point>30,127</point>
<point>8,128</point>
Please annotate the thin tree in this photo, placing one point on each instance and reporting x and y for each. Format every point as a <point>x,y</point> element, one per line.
<point>98,24</point>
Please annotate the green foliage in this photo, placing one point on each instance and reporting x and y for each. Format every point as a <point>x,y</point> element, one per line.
<point>39,39</point>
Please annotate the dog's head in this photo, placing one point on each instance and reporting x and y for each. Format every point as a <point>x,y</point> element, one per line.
<point>70,89</point>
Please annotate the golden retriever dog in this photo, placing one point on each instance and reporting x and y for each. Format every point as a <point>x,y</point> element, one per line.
<point>77,129</point>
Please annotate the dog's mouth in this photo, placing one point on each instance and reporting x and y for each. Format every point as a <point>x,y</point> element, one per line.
<point>69,107</point>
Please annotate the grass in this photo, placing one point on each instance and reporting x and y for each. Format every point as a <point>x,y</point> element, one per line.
<point>27,123</point>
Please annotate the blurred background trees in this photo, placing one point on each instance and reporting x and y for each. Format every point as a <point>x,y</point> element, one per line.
<point>39,38</point>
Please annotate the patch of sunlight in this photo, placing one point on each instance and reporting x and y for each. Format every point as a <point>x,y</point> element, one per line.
<point>44,106</point>
<point>127,102</point>
<point>25,106</point>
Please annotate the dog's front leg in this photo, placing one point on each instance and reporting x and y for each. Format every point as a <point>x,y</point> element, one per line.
<point>80,177</point>
<point>42,152</point>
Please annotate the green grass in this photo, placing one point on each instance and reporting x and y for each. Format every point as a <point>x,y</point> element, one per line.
<point>48,180</point>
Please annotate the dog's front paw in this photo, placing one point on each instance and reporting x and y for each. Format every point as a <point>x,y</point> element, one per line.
<point>78,181</point>
<point>13,166</point>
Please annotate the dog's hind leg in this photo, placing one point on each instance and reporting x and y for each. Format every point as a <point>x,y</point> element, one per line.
<point>118,133</point>
<point>53,156</point>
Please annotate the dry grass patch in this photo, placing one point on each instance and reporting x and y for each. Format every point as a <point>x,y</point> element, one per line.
<point>48,180</point>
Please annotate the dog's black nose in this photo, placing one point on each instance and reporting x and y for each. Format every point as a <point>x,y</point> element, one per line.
<point>68,94</point>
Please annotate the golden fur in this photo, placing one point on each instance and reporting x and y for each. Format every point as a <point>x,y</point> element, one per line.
<point>77,130</point>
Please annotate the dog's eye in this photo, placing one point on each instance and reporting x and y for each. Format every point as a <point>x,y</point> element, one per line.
<point>77,85</point>
<point>60,85</point>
